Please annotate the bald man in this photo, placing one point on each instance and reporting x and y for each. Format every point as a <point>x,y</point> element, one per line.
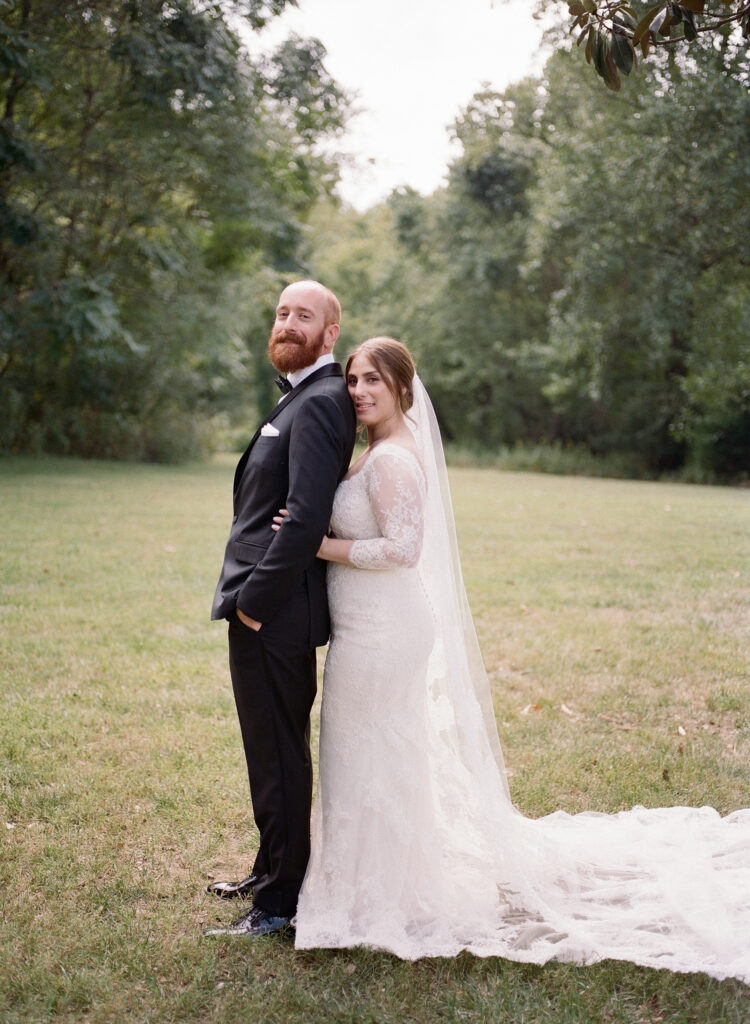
<point>272,589</point>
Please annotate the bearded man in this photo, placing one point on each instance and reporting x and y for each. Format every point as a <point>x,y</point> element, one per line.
<point>272,589</point>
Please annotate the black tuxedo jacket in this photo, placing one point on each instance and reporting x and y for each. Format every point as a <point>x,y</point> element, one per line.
<point>296,462</point>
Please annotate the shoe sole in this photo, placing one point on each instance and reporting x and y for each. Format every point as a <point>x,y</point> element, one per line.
<point>257,933</point>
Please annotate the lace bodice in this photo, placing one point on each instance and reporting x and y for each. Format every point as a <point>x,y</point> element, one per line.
<point>381,508</point>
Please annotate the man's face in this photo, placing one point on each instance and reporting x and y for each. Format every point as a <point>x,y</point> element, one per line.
<point>300,333</point>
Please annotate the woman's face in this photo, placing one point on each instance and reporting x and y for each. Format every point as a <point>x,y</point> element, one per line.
<point>373,401</point>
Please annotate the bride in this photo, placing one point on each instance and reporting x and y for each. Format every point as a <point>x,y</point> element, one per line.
<point>416,846</point>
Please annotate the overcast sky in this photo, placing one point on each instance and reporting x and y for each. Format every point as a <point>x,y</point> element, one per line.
<point>412,64</point>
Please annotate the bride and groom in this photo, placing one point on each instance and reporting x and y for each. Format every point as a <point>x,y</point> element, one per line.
<point>416,847</point>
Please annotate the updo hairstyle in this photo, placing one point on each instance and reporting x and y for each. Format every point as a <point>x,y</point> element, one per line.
<point>394,363</point>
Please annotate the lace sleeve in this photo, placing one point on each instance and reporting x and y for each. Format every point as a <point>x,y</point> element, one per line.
<point>396,490</point>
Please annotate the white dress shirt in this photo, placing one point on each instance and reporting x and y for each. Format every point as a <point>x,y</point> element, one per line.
<point>297,376</point>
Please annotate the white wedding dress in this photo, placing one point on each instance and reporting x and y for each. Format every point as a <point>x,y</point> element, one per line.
<point>416,846</point>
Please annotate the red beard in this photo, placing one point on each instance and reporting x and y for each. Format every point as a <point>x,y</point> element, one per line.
<point>288,352</point>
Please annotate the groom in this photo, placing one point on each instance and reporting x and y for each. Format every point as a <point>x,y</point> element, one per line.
<point>272,589</point>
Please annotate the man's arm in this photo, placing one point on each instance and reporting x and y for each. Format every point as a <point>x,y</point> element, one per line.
<point>318,443</point>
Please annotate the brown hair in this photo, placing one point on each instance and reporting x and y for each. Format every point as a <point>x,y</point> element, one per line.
<point>394,362</point>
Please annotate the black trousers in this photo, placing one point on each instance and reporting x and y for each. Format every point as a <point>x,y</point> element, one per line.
<point>274,681</point>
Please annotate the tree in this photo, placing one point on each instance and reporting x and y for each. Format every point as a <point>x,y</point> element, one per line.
<point>151,180</point>
<point>584,277</point>
<point>442,273</point>
<point>715,419</point>
<point>642,203</point>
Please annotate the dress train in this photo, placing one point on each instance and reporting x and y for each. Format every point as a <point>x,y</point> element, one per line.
<point>416,846</point>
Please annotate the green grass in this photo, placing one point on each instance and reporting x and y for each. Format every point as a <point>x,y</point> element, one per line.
<point>124,789</point>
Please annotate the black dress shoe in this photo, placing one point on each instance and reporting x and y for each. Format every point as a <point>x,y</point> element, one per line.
<point>228,890</point>
<point>253,924</point>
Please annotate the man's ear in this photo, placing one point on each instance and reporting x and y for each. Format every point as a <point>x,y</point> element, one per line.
<point>330,336</point>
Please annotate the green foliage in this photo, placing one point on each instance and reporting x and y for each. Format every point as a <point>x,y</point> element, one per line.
<point>643,229</point>
<point>716,418</point>
<point>582,279</point>
<point>615,31</point>
<point>443,273</point>
<point>581,282</point>
<point>152,181</point>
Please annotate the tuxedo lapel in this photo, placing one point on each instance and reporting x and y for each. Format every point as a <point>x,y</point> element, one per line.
<point>329,370</point>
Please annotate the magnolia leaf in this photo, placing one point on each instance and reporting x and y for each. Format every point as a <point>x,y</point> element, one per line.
<point>590,43</point>
<point>696,6</point>
<point>623,18</point>
<point>577,23</point>
<point>622,52</point>
<point>576,7</point>
<point>689,26</point>
<point>662,25</point>
<point>644,24</point>
<point>611,78</point>
<point>600,54</point>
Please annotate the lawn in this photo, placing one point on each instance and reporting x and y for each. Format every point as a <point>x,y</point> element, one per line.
<point>614,620</point>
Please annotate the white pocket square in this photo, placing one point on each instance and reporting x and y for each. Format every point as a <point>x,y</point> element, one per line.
<point>268,430</point>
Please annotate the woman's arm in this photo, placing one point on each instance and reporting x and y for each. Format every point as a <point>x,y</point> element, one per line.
<point>332,549</point>
<point>396,491</point>
<point>335,549</point>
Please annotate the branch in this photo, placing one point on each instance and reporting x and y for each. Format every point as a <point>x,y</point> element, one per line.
<point>613,36</point>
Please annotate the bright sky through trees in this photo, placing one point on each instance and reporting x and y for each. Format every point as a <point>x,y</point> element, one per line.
<point>412,64</point>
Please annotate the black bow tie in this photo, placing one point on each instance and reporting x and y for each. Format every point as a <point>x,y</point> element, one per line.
<point>283,385</point>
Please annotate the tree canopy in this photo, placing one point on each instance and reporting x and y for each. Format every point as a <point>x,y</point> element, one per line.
<point>584,277</point>
<point>582,280</point>
<point>153,185</point>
